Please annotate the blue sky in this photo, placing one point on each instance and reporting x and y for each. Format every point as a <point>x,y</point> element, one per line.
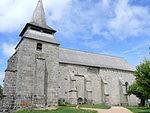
<point>113,27</point>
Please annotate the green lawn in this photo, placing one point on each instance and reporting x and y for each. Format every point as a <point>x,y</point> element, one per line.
<point>67,109</point>
<point>138,109</point>
<point>88,106</point>
<point>59,110</point>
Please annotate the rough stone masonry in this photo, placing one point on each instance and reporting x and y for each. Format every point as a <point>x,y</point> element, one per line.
<point>42,74</point>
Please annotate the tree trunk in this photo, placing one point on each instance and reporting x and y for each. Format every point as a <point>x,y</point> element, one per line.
<point>142,102</point>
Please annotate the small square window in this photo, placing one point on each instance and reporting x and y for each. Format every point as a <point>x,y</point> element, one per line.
<point>39,46</point>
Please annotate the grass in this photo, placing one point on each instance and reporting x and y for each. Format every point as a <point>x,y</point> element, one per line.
<point>68,108</point>
<point>59,110</point>
<point>138,109</point>
<point>88,106</point>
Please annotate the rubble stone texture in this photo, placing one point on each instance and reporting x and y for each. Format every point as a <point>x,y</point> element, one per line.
<point>47,75</point>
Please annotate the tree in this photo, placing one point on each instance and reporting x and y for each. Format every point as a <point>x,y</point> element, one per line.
<point>141,88</point>
<point>138,91</point>
<point>1,92</point>
<point>142,75</point>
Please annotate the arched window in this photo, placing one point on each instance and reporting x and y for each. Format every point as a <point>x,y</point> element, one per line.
<point>39,46</point>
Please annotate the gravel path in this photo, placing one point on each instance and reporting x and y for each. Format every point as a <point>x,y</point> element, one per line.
<point>111,110</point>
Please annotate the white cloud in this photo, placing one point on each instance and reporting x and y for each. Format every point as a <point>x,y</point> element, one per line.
<point>55,9</point>
<point>143,45</point>
<point>8,49</point>
<point>106,18</point>
<point>129,20</point>
<point>86,18</point>
<point>16,13</point>
<point>105,3</point>
<point>95,44</point>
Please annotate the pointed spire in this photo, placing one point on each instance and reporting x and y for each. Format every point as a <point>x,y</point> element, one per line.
<point>38,22</point>
<point>39,15</point>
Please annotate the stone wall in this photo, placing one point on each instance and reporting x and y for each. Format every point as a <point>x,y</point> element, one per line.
<point>79,82</point>
<point>115,89</point>
<point>9,91</point>
<point>36,78</point>
<point>37,74</point>
<point>100,85</point>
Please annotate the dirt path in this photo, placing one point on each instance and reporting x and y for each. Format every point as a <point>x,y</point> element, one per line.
<point>49,108</point>
<point>112,110</point>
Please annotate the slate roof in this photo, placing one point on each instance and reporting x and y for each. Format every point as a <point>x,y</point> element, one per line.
<point>91,59</point>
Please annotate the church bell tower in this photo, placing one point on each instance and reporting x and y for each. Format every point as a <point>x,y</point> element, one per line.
<point>37,64</point>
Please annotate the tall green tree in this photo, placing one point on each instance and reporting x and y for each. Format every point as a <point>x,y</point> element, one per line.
<point>1,92</point>
<point>142,75</point>
<point>141,88</point>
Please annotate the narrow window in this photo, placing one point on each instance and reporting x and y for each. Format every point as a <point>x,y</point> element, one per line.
<point>39,46</point>
<point>126,86</point>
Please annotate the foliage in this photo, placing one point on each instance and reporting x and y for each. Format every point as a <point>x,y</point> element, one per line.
<point>88,106</point>
<point>95,106</point>
<point>142,75</point>
<point>138,109</point>
<point>137,90</point>
<point>59,110</point>
<point>68,108</point>
<point>141,87</point>
<point>1,92</point>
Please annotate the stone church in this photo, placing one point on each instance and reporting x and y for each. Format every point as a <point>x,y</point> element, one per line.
<point>43,74</point>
